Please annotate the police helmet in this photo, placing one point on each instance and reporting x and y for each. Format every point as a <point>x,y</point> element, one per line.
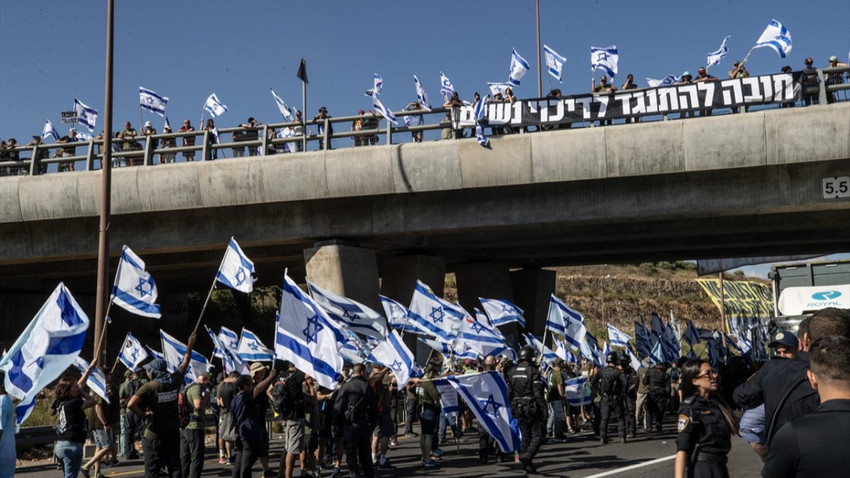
<point>624,361</point>
<point>527,353</point>
<point>613,357</point>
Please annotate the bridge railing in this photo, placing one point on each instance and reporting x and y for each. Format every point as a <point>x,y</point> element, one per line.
<point>833,85</point>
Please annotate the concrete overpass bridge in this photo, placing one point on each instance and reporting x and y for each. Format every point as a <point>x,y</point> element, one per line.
<point>721,186</point>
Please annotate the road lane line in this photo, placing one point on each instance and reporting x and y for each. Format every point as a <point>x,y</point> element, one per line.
<point>632,467</point>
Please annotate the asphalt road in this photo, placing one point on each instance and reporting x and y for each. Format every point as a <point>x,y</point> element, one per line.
<point>581,456</point>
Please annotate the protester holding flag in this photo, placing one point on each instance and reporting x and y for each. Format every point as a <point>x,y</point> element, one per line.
<point>156,403</point>
<point>429,414</point>
<point>249,422</point>
<point>70,402</point>
<point>101,418</point>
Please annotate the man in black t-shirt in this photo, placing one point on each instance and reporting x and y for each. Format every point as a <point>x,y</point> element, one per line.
<point>226,432</point>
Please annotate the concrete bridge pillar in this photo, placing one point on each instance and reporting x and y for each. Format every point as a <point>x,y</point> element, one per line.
<point>346,270</point>
<point>488,280</point>
<point>532,288</point>
<point>398,279</point>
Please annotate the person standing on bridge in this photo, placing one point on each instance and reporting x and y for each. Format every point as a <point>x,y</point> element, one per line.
<point>705,424</point>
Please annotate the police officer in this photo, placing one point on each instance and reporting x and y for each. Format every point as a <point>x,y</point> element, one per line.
<point>355,414</point>
<point>630,397</point>
<point>612,385</point>
<point>526,394</point>
<point>659,390</point>
<point>705,424</point>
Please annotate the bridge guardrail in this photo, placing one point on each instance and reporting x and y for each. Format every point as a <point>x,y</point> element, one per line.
<point>327,131</point>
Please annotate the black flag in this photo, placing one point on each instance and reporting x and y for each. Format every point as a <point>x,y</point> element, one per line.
<point>302,71</point>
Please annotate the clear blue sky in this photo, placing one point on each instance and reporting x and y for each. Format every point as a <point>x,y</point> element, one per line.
<point>53,51</point>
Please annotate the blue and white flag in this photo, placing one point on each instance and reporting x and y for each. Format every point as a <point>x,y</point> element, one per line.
<point>633,360</point>
<point>214,107</point>
<point>227,354</point>
<point>85,116</point>
<point>604,59</point>
<point>502,312</point>
<point>715,56</point>
<point>486,393</point>
<point>548,354</point>
<point>132,353</point>
<point>151,101</point>
<point>83,136</point>
<point>392,353</point>
<point>554,62</point>
<point>479,135</point>
<point>398,316</point>
<point>479,338</point>
<point>173,352</point>
<point>498,88</point>
<point>691,336</point>
<point>378,85</point>
<point>777,37</point>
<point>435,315</point>
<point>49,130</point>
<point>421,95</point>
<point>380,108</point>
<point>565,321</point>
<point>519,67</point>
<point>96,380</point>
<point>251,349</point>
<point>49,345</point>
<point>563,352</point>
<point>236,270</point>
<point>657,354</point>
<point>282,106</point>
<point>356,316</point>
<point>306,337</point>
<point>446,87</point>
<point>642,340</point>
<point>668,80</point>
<point>445,349</point>
<point>229,339</point>
<point>156,355</point>
<point>618,338</point>
<point>576,391</point>
<point>134,289</point>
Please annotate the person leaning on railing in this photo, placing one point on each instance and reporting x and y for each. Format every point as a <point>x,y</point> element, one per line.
<point>834,78</point>
<point>169,142</point>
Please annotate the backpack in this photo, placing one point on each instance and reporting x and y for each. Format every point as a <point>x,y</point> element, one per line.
<point>184,408</point>
<point>282,400</point>
<point>611,384</point>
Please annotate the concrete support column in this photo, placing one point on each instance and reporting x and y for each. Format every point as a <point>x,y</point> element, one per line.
<point>488,280</point>
<point>398,279</point>
<point>346,270</point>
<point>532,288</point>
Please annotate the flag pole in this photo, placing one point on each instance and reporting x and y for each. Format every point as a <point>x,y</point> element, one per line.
<point>209,294</point>
<point>539,65</point>
<point>114,364</point>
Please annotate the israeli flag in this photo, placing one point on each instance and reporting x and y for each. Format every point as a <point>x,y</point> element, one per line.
<point>134,289</point>
<point>618,338</point>
<point>715,56</point>
<point>398,316</point>
<point>421,95</point>
<point>380,108</point>
<point>352,353</point>
<point>49,345</point>
<point>777,37</point>
<point>236,270</point>
<point>155,354</point>
<point>479,135</point>
<point>633,360</point>
<point>668,80</point>
<point>392,353</point>
<point>49,130</point>
<point>306,336</point>
<point>563,352</point>
<point>229,359</point>
<point>214,107</point>
<point>448,398</point>
<point>498,88</point>
<point>378,85</point>
<point>132,353</point>
<point>229,339</point>
<point>85,116</point>
<point>434,314</point>
<point>83,136</point>
<point>281,106</point>
<point>151,101</point>
<point>605,59</point>
<point>356,316</point>
<point>445,349</point>
<point>554,62</point>
<point>502,312</point>
<point>486,394</point>
<point>548,354</point>
<point>173,352</point>
<point>446,87</point>
<point>475,336</point>
<point>96,380</point>
<point>576,391</point>
<point>519,67</point>
<point>565,321</point>
<point>251,349</point>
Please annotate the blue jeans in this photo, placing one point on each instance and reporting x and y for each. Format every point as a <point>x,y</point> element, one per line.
<point>450,422</point>
<point>70,454</point>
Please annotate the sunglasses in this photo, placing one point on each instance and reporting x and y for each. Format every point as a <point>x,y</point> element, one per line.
<point>710,373</point>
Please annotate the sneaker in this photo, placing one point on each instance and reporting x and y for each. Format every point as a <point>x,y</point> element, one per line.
<point>393,442</point>
<point>85,472</point>
<point>385,466</point>
<point>229,461</point>
<point>222,460</point>
<point>437,452</point>
<point>430,464</point>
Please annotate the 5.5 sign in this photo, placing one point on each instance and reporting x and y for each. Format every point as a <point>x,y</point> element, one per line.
<point>837,187</point>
